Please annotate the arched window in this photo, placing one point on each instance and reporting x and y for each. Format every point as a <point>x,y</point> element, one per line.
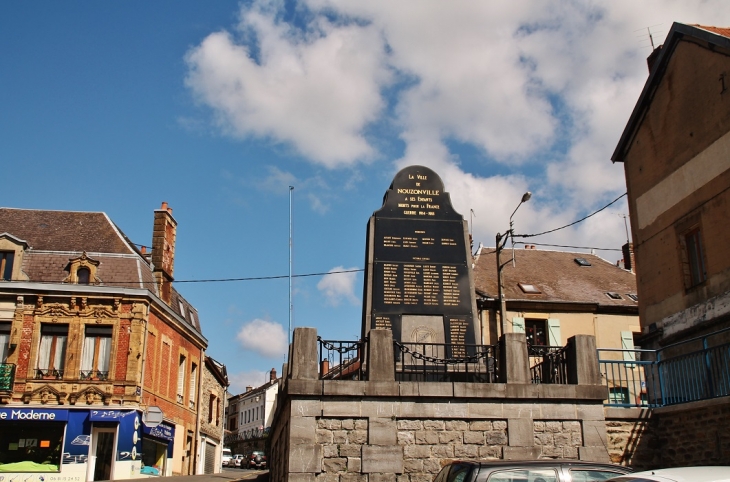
<point>83,275</point>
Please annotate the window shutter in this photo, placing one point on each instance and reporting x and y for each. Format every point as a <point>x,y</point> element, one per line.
<point>554,332</point>
<point>518,324</point>
<point>627,344</point>
<point>181,379</point>
<point>193,383</point>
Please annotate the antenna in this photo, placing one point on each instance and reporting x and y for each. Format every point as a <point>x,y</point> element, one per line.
<point>651,39</point>
<point>626,225</point>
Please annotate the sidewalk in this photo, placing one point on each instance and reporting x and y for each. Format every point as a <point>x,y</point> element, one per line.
<point>228,476</point>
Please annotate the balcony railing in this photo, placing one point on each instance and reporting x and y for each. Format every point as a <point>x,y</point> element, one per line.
<point>7,377</point>
<point>548,364</point>
<point>93,375</point>
<point>48,373</point>
<point>696,369</point>
<point>445,362</point>
<point>340,360</point>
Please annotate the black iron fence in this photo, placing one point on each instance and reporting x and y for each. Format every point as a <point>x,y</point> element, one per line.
<point>548,364</point>
<point>340,360</point>
<point>445,362</point>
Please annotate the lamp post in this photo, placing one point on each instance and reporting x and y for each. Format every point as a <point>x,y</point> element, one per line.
<point>502,238</point>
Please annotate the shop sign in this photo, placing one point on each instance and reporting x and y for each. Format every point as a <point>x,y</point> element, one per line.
<point>33,414</point>
<point>107,415</point>
<point>162,431</point>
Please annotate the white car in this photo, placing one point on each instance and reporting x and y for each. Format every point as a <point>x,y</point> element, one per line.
<point>226,458</point>
<point>679,474</point>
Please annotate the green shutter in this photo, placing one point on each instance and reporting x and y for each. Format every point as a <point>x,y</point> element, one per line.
<point>518,324</point>
<point>627,344</point>
<point>554,332</point>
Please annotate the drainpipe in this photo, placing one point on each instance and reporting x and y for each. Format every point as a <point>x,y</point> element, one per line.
<point>198,445</point>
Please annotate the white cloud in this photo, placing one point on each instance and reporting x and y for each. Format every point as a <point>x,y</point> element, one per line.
<point>251,378</point>
<point>317,89</point>
<point>541,92</point>
<point>338,287</point>
<point>267,338</point>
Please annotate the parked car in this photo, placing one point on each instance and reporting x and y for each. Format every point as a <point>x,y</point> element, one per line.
<point>529,471</point>
<point>226,458</point>
<point>237,460</point>
<point>679,474</point>
<point>256,460</point>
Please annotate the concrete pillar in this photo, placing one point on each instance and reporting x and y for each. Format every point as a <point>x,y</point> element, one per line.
<point>583,360</point>
<point>514,366</point>
<point>381,364</point>
<point>303,350</point>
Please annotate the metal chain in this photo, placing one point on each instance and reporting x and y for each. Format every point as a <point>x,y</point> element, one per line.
<point>342,349</point>
<point>435,360</point>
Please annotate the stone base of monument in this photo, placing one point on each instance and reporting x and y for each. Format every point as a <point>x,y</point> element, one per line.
<point>377,428</point>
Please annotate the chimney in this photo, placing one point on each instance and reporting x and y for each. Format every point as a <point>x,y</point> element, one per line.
<point>164,232</point>
<point>629,263</point>
<point>248,389</point>
<point>651,59</point>
<point>272,375</point>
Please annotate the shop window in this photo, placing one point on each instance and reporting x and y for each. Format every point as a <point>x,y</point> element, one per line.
<point>96,353</point>
<point>52,351</point>
<point>31,446</point>
<point>154,457</point>
<point>6,264</point>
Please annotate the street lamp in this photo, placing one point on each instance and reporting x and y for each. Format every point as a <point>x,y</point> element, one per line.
<point>502,238</point>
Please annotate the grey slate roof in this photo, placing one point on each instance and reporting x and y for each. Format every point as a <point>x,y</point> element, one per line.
<point>556,275</point>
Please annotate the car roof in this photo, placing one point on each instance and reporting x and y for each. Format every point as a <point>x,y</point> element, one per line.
<point>541,463</point>
<point>682,474</point>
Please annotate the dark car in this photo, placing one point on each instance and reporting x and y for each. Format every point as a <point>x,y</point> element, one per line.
<point>529,471</point>
<point>256,460</point>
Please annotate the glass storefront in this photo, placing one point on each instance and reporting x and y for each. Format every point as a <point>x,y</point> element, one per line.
<point>31,446</point>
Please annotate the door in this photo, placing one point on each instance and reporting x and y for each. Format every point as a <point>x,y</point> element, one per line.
<point>209,463</point>
<point>102,453</point>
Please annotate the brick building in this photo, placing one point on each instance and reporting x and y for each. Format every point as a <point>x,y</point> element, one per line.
<point>94,341</point>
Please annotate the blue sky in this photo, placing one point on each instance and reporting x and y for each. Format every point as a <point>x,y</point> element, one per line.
<point>217,107</point>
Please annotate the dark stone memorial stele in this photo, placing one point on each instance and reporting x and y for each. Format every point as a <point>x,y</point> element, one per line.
<point>418,278</point>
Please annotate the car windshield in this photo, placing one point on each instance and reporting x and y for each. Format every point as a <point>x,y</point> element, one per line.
<point>524,475</point>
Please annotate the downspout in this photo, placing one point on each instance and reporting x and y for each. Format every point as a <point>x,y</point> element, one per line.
<point>198,445</point>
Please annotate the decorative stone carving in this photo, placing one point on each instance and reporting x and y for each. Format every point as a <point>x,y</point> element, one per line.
<point>91,395</point>
<point>45,394</point>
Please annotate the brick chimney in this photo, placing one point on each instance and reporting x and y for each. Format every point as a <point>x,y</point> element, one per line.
<point>629,263</point>
<point>164,233</point>
<point>272,375</point>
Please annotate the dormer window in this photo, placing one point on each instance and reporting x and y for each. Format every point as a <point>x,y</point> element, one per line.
<point>11,257</point>
<point>83,275</point>
<point>82,270</point>
<point>6,264</point>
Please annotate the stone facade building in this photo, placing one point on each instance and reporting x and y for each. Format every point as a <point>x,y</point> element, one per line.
<point>212,406</point>
<point>95,341</point>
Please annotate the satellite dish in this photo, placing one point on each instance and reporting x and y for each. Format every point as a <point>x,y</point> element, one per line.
<point>152,417</point>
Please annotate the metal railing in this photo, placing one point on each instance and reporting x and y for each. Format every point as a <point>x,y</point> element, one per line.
<point>340,360</point>
<point>692,370</point>
<point>46,373</point>
<point>93,375</point>
<point>445,362</point>
<point>548,364</point>
<point>7,376</point>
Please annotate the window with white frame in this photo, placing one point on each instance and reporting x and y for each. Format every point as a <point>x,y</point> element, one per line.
<point>96,353</point>
<point>181,379</point>
<point>52,351</point>
<point>193,382</point>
